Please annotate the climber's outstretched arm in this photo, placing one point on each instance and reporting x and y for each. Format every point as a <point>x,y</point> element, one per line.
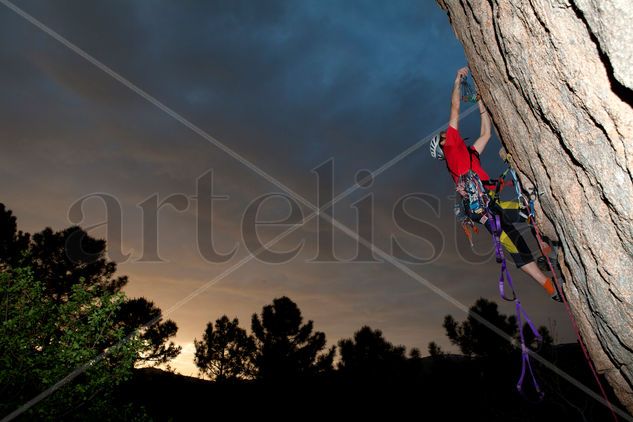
<point>484,135</point>
<point>455,100</point>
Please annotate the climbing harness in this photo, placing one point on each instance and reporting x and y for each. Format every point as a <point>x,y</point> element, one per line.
<point>468,93</point>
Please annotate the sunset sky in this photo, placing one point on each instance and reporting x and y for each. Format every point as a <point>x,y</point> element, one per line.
<point>285,84</point>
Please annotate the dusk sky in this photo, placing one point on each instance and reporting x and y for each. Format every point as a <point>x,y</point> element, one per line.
<point>285,84</point>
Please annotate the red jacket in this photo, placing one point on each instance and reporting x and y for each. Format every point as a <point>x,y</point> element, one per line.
<point>460,158</point>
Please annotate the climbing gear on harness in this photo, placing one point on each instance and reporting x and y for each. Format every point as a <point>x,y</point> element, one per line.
<point>468,93</point>
<point>435,148</point>
<point>467,225</point>
<point>474,197</point>
<point>472,203</point>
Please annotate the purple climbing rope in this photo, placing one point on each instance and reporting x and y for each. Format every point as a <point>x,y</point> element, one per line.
<point>495,226</point>
<point>505,277</point>
<point>525,354</point>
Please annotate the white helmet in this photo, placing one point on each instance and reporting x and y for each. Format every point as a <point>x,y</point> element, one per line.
<point>435,148</point>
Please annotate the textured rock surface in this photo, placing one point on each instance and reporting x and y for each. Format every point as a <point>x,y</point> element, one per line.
<point>557,78</point>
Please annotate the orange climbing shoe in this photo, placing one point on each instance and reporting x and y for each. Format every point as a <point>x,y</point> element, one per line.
<point>552,290</point>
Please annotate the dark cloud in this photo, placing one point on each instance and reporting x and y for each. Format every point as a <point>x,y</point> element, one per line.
<point>287,84</point>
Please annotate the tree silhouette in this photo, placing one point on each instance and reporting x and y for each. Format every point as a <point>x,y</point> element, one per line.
<point>65,258</point>
<point>474,338</point>
<point>13,243</point>
<point>435,350</point>
<point>68,258</point>
<point>286,348</point>
<point>226,352</point>
<point>488,380</point>
<point>157,349</point>
<point>41,341</point>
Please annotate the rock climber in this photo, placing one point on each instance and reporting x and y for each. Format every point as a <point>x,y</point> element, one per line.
<point>449,146</point>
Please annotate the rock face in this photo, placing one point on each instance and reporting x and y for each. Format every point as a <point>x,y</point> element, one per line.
<point>557,77</point>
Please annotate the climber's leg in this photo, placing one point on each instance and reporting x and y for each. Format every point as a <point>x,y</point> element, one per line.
<point>534,271</point>
<point>517,248</point>
<point>513,242</point>
<point>513,214</point>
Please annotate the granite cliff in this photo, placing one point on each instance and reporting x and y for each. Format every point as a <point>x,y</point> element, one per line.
<point>557,77</point>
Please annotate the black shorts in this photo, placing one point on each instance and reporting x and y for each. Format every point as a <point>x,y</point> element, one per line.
<point>509,213</point>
